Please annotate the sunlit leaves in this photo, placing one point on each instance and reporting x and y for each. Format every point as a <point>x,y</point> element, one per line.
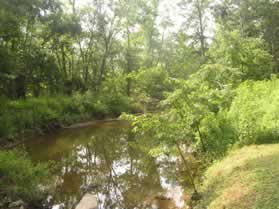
<point>248,55</point>
<point>254,112</point>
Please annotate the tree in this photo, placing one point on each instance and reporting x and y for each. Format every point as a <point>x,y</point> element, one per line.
<point>196,21</point>
<point>253,18</point>
<point>128,13</point>
<point>249,55</point>
<point>17,33</point>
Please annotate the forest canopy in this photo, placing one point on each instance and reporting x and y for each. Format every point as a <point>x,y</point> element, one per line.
<point>60,47</point>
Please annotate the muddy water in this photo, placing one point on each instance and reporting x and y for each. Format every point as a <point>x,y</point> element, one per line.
<point>105,158</point>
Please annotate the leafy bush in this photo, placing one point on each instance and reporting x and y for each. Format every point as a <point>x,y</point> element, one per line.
<point>19,177</point>
<point>219,134</point>
<point>255,112</point>
<point>253,118</point>
<point>17,117</point>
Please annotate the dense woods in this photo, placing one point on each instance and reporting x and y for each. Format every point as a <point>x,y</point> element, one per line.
<point>203,73</point>
<point>50,48</point>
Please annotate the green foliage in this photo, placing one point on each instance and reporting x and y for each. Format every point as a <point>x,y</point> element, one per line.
<point>20,178</point>
<point>58,67</point>
<point>219,134</point>
<point>160,126</point>
<point>248,55</point>
<point>251,118</point>
<point>254,112</point>
<point>59,73</point>
<point>179,58</point>
<point>253,18</point>
<point>18,117</point>
<point>153,82</point>
<point>113,95</point>
<point>212,113</point>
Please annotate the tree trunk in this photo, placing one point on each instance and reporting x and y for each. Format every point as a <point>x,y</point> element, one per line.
<point>192,180</point>
<point>20,88</point>
<point>201,28</point>
<point>128,62</point>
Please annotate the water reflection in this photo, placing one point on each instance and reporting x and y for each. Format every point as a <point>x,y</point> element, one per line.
<point>103,159</point>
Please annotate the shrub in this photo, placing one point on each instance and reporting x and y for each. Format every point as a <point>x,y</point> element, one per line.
<point>219,134</point>
<point>255,112</point>
<point>19,177</point>
<point>252,118</point>
<point>17,117</point>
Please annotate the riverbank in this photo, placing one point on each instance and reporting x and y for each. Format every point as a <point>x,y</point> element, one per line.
<point>22,118</point>
<point>84,124</point>
<point>246,179</point>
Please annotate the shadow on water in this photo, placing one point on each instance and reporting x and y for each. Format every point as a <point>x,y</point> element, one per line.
<point>103,159</point>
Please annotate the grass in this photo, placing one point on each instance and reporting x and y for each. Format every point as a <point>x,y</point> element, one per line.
<point>247,179</point>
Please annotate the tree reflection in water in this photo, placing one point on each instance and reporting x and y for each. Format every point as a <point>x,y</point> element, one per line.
<point>105,159</point>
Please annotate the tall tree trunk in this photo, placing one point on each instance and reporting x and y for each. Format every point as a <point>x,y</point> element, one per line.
<point>202,139</point>
<point>201,28</point>
<point>128,62</point>
<point>103,64</point>
<point>64,67</point>
<point>20,87</point>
